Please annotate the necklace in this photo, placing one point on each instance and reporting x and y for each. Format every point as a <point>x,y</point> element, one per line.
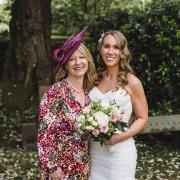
<point>74,89</point>
<point>109,79</point>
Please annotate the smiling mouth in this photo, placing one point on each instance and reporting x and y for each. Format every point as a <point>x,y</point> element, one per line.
<point>78,68</point>
<point>110,58</point>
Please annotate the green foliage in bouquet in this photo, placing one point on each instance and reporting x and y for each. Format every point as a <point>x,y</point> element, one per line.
<point>101,120</point>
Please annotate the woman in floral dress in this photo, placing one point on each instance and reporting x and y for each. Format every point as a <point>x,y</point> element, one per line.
<point>63,152</point>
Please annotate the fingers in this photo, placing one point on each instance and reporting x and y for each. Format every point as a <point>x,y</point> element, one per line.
<point>107,143</point>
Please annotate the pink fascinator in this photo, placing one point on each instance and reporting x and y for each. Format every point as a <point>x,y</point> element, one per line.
<point>64,52</point>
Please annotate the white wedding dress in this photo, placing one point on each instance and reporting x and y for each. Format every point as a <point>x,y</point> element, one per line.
<point>118,162</point>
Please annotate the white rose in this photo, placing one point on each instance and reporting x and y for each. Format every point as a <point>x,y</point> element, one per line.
<point>79,125</point>
<point>87,110</point>
<point>90,119</point>
<point>101,118</point>
<point>89,128</point>
<point>94,123</point>
<point>116,110</point>
<point>80,118</point>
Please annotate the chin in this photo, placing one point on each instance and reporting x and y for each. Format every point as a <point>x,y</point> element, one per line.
<point>79,74</point>
<point>110,64</point>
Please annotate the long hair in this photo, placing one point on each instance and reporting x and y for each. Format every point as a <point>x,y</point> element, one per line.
<point>125,57</point>
<point>89,76</point>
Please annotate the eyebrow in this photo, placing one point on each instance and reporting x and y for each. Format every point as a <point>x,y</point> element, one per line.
<point>110,44</point>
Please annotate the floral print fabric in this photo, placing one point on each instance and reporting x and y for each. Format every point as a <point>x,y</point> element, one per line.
<point>59,143</point>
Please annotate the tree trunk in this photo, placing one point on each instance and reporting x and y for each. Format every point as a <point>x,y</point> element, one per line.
<point>28,60</point>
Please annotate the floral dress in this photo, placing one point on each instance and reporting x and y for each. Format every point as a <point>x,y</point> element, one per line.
<point>59,143</point>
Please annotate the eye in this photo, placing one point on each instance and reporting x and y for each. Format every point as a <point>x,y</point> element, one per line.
<point>116,47</point>
<point>106,46</point>
<point>81,57</point>
<point>71,59</point>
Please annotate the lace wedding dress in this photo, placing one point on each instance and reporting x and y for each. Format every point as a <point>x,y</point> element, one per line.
<point>119,161</point>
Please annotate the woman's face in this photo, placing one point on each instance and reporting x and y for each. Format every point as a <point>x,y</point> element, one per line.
<point>110,51</point>
<point>77,64</point>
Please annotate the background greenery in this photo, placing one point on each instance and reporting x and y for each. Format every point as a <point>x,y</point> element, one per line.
<point>153,32</point>
<point>152,28</point>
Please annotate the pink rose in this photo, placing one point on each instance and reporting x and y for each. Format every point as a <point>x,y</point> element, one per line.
<point>116,118</point>
<point>95,132</point>
<point>104,129</point>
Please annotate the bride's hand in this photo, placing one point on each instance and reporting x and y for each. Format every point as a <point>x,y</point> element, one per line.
<point>105,142</point>
<point>116,138</point>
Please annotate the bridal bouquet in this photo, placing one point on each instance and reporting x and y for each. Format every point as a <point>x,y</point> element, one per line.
<point>101,120</point>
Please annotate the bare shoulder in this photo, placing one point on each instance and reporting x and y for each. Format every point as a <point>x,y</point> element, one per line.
<point>134,84</point>
<point>133,81</point>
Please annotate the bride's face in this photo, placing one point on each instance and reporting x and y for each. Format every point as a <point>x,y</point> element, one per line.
<point>110,51</point>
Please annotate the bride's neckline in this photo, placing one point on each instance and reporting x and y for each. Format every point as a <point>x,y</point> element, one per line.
<point>112,90</point>
<point>103,93</point>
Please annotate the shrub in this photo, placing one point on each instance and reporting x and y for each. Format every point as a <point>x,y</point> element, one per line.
<point>153,35</point>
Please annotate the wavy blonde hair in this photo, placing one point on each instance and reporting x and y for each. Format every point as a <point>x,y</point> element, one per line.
<point>89,76</point>
<point>125,57</point>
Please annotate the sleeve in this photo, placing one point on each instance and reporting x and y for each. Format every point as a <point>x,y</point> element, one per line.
<point>47,133</point>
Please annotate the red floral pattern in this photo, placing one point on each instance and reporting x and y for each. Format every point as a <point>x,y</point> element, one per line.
<point>59,143</point>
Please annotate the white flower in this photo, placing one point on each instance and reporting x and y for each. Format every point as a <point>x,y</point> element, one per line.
<point>116,110</point>
<point>90,119</point>
<point>101,38</point>
<point>89,127</point>
<point>101,118</point>
<point>79,125</point>
<point>126,129</point>
<point>87,109</point>
<point>94,123</point>
<point>80,118</point>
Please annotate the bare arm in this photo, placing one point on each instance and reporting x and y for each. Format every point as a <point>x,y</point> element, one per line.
<point>140,109</point>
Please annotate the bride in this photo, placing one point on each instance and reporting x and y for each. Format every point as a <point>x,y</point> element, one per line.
<point>116,159</point>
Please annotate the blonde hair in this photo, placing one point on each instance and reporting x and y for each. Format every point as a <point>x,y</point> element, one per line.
<point>89,76</point>
<point>125,57</point>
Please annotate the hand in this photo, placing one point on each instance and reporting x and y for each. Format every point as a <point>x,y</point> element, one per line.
<point>105,142</point>
<point>56,175</point>
<point>116,138</point>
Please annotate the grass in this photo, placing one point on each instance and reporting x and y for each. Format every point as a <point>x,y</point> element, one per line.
<point>18,164</point>
<point>156,161</point>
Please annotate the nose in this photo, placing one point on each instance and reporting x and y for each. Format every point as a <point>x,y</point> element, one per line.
<point>77,60</point>
<point>110,50</point>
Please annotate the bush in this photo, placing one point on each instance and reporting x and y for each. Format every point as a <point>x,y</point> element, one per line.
<point>153,35</point>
